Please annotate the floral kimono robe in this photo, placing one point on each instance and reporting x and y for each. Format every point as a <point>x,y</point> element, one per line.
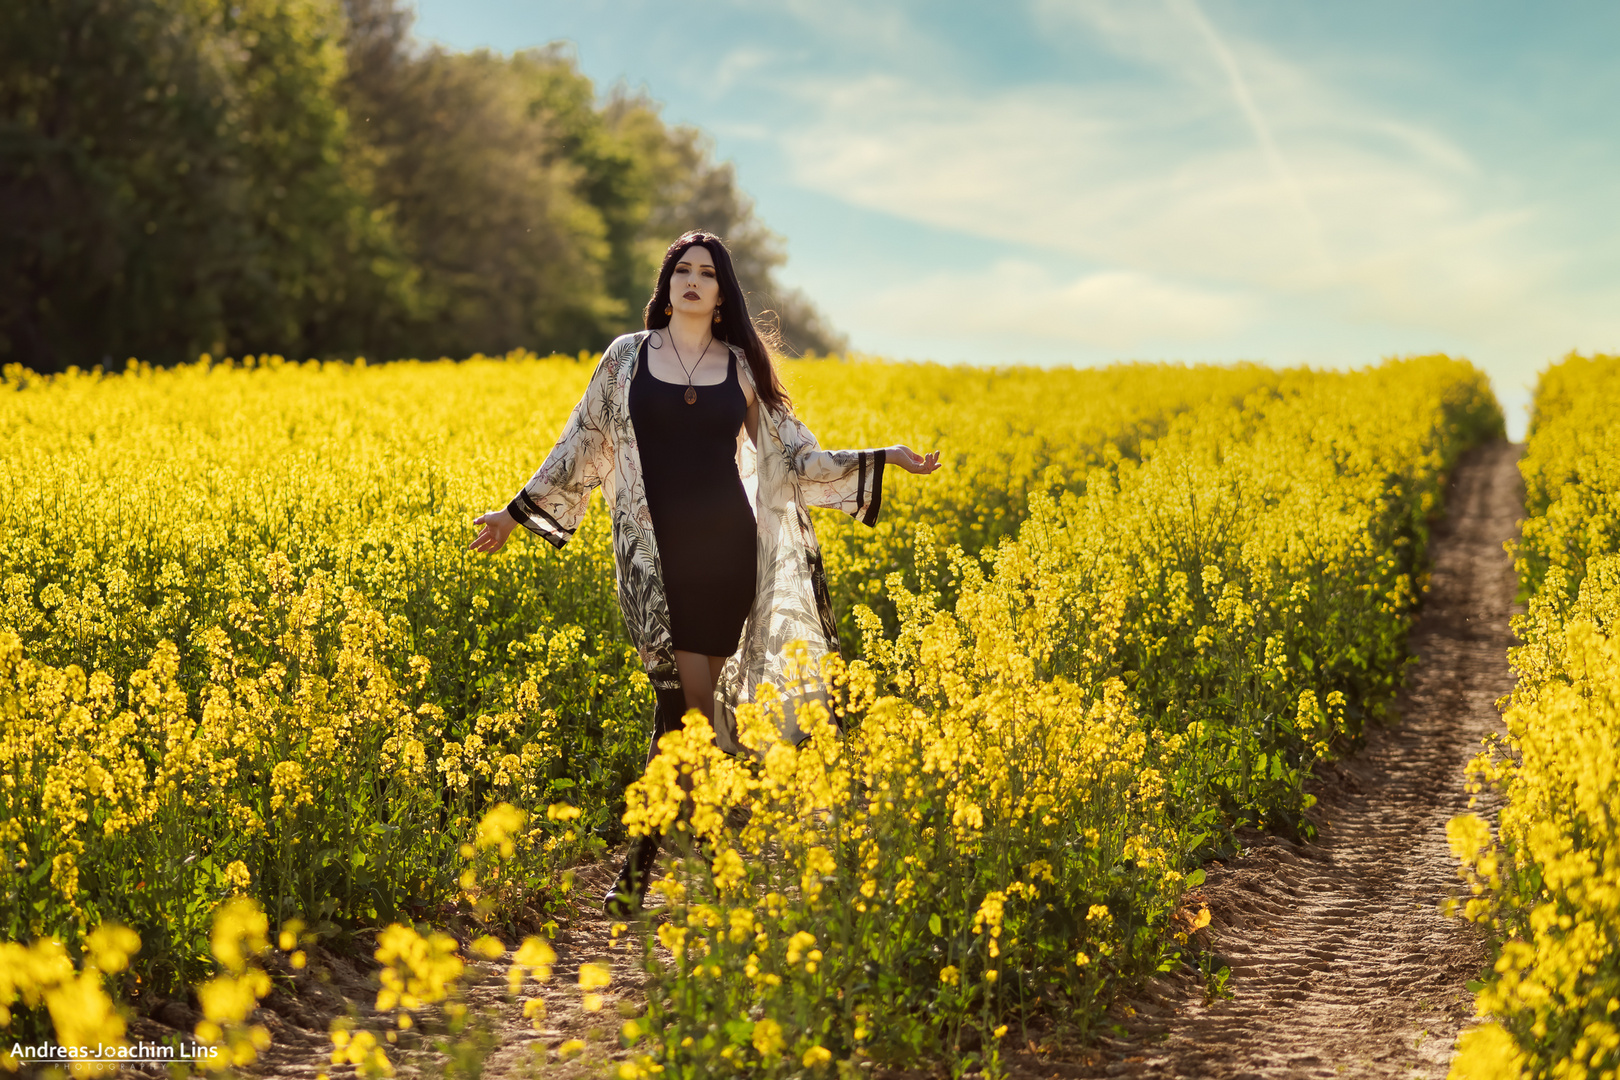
<point>787,473</point>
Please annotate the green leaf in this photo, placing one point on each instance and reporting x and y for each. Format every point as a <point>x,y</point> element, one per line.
<point>935,925</point>
<point>739,1031</point>
<point>1196,878</point>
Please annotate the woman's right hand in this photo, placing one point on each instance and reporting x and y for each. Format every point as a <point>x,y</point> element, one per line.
<point>911,461</point>
<point>498,525</point>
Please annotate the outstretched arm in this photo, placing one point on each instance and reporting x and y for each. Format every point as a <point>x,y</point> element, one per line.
<point>553,502</point>
<point>848,480</point>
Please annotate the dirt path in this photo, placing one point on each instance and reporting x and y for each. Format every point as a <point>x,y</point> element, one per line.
<point>1342,964</point>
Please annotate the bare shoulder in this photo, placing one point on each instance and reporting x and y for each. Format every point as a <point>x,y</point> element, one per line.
<point>745,374</point>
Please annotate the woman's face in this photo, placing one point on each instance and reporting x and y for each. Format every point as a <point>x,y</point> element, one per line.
<point>694,287</point>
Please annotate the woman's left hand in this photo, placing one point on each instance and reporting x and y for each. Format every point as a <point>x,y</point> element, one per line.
<point>903,456</point>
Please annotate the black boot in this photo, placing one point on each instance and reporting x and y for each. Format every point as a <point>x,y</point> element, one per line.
<point>625,897</point>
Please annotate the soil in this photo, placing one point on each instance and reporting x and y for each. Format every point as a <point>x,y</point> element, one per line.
<point>1342,963</point>
<point>333,985</point>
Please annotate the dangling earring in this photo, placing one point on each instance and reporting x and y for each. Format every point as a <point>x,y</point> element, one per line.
<point>668,310</point>
<point>717,313</point>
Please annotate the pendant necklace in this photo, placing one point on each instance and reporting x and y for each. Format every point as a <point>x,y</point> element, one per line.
<point>691,391</point>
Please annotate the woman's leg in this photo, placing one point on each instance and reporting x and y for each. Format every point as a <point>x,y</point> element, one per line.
<point>624,896</point>
<point>699,674</point>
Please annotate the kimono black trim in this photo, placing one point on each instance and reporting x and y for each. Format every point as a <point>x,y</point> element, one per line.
<point>525,511</point>
<point>880,458</point>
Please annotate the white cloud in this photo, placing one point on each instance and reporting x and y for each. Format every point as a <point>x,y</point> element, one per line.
<point>1016,302</point>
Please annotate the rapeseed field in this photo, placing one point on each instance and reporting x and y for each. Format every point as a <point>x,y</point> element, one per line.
<point>251,678</point>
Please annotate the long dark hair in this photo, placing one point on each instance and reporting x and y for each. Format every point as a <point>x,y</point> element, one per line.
<point>734,327</point>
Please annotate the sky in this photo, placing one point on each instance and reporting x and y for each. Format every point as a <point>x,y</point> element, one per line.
<point>1082,181</point>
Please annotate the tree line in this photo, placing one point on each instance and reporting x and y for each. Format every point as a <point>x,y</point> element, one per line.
<point>302,177</point>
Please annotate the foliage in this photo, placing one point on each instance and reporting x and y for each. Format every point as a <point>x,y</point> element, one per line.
<point>421,978</point>
<point>178,175</point>
<point>1547,885</point>
<point>419,975</point>
<point>245,653</point>
<point>999,806</point>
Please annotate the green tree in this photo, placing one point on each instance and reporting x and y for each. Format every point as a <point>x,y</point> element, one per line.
<point>179,177</point>
<point>119,192</point>
<point>507,251</point>
<point>322,272</point>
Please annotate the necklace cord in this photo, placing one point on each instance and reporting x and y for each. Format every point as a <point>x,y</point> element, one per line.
<point>682,362</point>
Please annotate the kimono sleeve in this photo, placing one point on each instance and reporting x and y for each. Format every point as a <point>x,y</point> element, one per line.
<point>847,480</point>
<point>553,502</point>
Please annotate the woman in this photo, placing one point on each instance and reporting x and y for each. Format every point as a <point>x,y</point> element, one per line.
<point>714,580</point>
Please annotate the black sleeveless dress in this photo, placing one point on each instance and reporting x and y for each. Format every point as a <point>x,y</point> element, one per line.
<point>702,520</point>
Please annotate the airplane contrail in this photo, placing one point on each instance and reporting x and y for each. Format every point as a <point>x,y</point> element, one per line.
<point>1262,131</point>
